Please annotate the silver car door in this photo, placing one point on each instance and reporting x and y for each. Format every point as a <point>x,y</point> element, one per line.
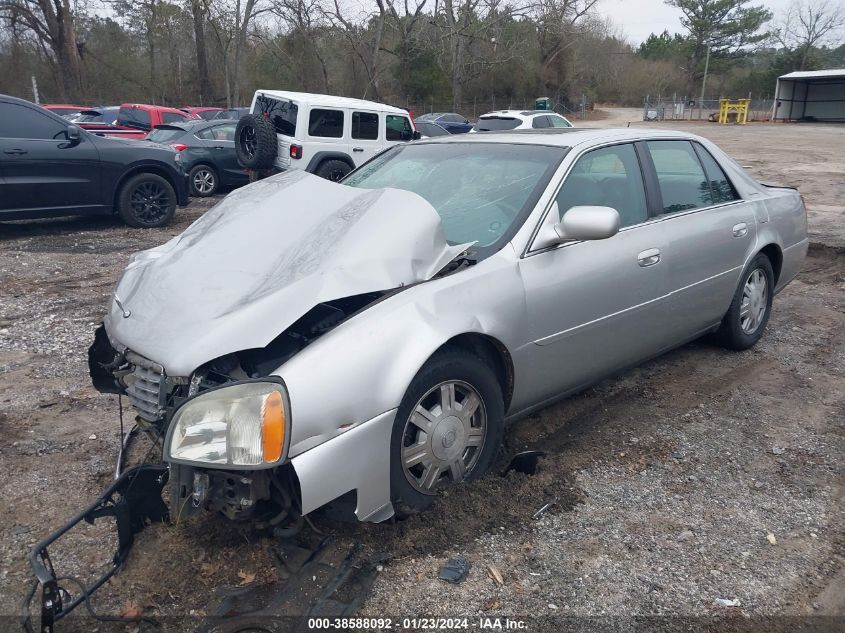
<point>593,307</point>
<point>710,232</point>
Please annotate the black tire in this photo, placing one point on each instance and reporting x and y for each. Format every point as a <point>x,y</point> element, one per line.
<point>146,201</point>
<point>464,368</point>
<point>255,142</point>
<point>203,180</point>
<point>333,169</point>
<point>736,332</point>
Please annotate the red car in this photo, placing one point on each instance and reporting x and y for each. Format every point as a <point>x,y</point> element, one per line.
<point>135,120</point>
<point>63,108</point>
<point>202,112</point>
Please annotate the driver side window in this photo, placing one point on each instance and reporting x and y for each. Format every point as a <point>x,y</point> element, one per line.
<point>607,177</point>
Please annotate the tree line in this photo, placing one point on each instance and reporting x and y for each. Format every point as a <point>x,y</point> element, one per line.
<point>458,55</point>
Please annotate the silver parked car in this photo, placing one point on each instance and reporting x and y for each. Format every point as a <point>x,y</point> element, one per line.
<point>306,339</point>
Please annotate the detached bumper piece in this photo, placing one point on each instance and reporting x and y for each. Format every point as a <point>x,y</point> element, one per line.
<point>134,500</point>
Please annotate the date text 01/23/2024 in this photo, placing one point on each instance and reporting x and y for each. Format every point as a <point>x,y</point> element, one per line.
<point>416,624</point>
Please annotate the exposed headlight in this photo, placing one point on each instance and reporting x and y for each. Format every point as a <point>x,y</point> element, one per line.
<point>237,426</point>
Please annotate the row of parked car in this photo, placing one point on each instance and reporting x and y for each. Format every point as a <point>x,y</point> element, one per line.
<point>142,161</point>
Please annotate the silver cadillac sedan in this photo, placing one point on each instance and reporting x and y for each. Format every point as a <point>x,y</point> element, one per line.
<point>306,340</point>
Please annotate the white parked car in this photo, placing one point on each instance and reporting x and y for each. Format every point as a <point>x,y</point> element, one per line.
<point>520,120</point>
<point>322,134</point>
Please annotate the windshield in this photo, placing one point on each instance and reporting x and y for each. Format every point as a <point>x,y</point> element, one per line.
<point>488,124</point>
<point>482,191</point>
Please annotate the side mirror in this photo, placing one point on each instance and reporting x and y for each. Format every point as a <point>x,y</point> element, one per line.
<point>73,134</point>
<point>416,135</point>
<point>588,223</point>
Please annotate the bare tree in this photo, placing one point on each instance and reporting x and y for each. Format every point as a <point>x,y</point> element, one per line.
<point>556,32</point>
<point>809,23</point>
<point>301,22</point>
<point>198,14</point>
<point>468,33</point>
<point>365,42</point>
<point>52,24</point>
<point>405,23</point>
<point>230,21</point>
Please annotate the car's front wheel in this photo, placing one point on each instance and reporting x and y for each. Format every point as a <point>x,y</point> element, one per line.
<point>204,181</point>
<point>147,201</point>
<point>748,315</point>
<point>448,429</point>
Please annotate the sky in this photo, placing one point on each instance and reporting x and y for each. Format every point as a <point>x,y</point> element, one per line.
<point>638,18</point>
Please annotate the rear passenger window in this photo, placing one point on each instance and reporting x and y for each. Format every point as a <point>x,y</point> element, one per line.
<point>326,123</point>
<point>558,121</point>
<point>134,117</point>
<point>682,182</point>
<point>225,132</point>
<point>365,126</point>
<point>720,187</point>
<point>172,117</point>
<point>607,177</point>
<point>398,128</point>
<point>540,122</point>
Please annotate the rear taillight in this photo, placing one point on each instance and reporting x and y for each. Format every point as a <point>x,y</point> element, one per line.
<point>179,147</point>
<point>296,151</point>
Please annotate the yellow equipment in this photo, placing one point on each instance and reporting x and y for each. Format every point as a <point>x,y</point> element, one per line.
<point>738,107</point>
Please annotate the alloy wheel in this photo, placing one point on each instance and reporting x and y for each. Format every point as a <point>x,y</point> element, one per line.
<point>149,201</point>
<point>249,142</point>
<point>444,436</point>
<point>203,181</point>
<point>754,303</point>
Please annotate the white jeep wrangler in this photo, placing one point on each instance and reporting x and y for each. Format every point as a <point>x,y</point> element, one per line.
<point>324,135</point>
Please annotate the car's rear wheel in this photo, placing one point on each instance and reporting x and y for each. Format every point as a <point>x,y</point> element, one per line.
<point>255,142</point>
<point>333,170</point>
<point>448,429</point>
<point>147,201</point>
<point>748,315</point>
<point>204,181</point>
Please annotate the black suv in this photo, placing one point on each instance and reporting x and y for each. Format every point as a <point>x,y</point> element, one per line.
<point>49,167</point>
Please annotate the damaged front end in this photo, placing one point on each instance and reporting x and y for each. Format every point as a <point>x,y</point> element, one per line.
<point>268,496</point>
<point>199,331</point>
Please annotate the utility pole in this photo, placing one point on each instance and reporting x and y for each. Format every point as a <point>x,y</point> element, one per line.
<point>704,80</point>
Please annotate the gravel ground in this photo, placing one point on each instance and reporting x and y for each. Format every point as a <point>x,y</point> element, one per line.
<point>702,475</point>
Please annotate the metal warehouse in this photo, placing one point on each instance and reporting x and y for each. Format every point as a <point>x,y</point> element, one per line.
<point>814,95</point>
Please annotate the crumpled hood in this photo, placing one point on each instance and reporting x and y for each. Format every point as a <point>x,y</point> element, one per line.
<point>263,257</point>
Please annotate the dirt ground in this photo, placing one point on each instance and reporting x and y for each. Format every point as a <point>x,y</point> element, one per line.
<point>702,475</point>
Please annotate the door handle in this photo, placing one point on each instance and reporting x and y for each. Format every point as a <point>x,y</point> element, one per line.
<point>740,230</point>
<point>649,257</point>
<point>14,151</point>
<point>357,149</point>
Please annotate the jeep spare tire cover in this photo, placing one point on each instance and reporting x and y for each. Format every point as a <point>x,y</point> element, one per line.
<point>255,142</point>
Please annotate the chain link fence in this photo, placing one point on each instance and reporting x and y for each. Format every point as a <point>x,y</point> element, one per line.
<point>678,108</point>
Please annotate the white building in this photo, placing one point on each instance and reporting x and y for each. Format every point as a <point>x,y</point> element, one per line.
<point>812,95</point>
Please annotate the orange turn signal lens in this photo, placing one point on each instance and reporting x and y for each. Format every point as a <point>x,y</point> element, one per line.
<point>273,427</point>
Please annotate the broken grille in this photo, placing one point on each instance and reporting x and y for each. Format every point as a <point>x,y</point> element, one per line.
<point>146,387</point>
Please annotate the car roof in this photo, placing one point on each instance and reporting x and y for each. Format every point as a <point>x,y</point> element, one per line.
<point>331,101</point>
<point>148,106</point>
<point>518,113</point>
<point>563,137</point>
